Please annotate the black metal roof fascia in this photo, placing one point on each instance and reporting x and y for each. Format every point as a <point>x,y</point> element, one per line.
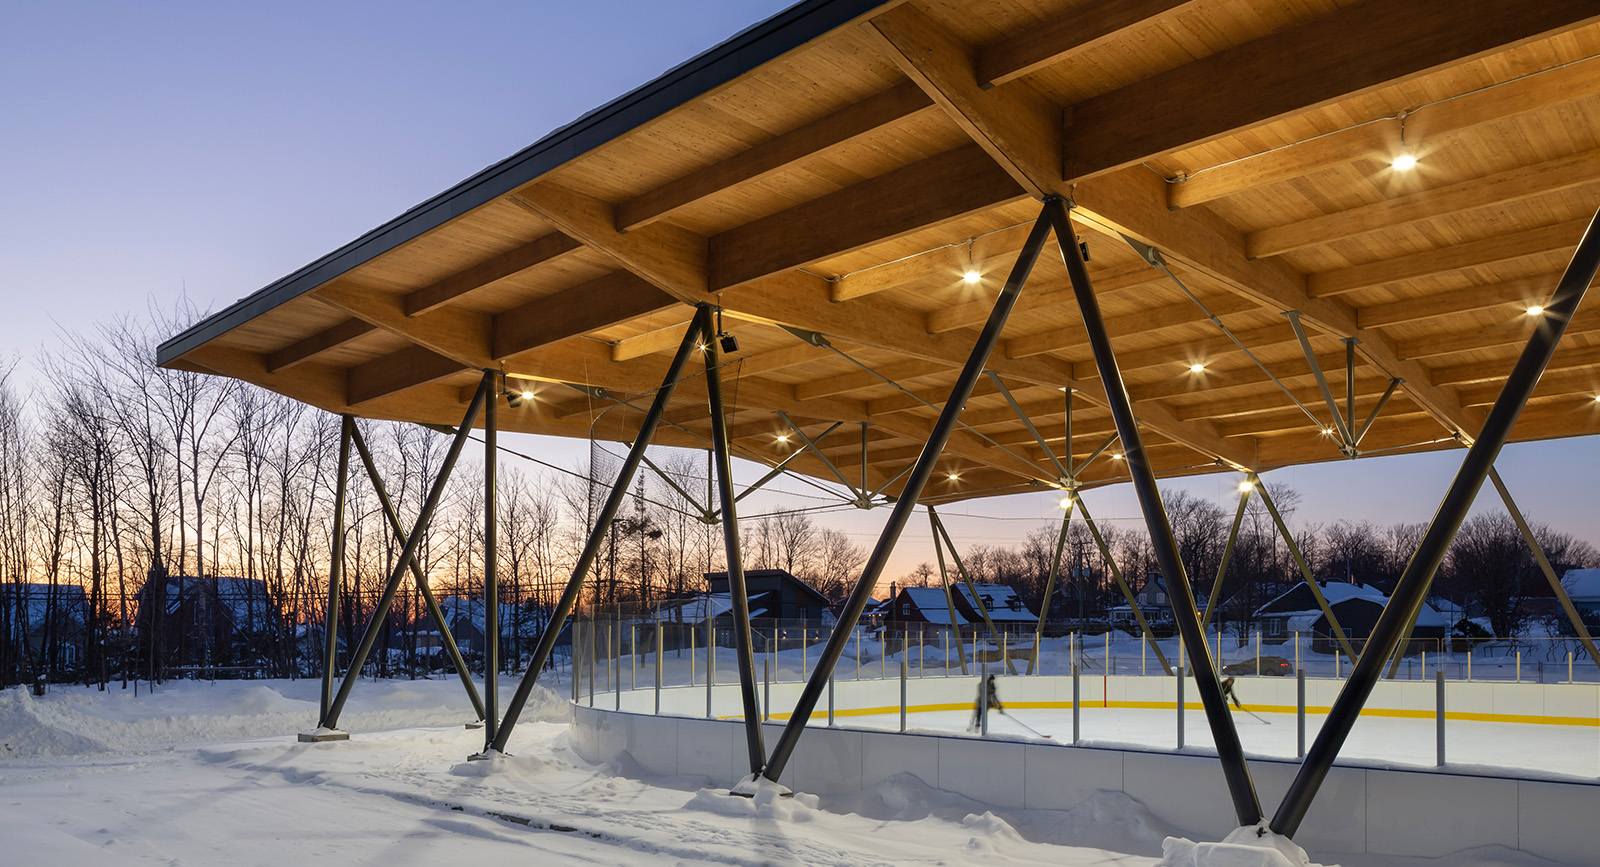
<point>744,51</point>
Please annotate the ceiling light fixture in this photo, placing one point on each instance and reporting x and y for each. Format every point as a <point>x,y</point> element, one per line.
<point>954,476</point>
<point>1247,486</point>
<point>1197,368</point>
<point>1535,310</point>
<point>1116,456</point>
<point>1404,161</point>
<point>971,276</point>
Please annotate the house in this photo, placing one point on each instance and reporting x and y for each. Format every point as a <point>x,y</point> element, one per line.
<point>229,619</point>
<point>1154,601</point>
<point>519,627</point>
<point>926,610</point>
<point>1583,587</point>
<point>47,617</point>
<point>779,595</point>
<point>1357,606</point>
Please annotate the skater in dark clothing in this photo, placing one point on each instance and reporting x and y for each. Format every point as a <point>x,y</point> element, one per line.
<point>1227,691</point>
<point>987,695</point>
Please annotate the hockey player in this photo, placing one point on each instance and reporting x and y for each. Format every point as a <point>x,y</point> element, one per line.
<point>1227,691</point>
<point>987,696</point>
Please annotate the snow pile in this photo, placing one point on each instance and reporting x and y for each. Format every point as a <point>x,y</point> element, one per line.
<point>989,830</point>
<point>756,797</point>
<point>70,721</point>
<point>1249,846</point>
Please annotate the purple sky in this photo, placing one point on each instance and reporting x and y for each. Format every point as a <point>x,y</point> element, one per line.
<point>157,148</point>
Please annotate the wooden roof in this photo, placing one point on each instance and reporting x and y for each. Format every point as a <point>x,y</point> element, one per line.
<point>837,168</point>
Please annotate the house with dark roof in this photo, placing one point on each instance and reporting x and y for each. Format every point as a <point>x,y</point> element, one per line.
<point>1154,601</point>
<point>47,616</point>
<point>230,618</point>
<point>1583,588</point>
<point>1357,607</point>
<point>926,610</point>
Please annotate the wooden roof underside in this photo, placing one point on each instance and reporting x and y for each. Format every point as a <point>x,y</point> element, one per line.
<point>842,180</point>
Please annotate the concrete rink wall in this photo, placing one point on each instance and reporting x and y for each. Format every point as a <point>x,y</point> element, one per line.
<point>1363,809</point>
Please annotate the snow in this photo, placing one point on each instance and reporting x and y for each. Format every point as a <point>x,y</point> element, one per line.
<point>1249,846</point>
<point>211,773</point>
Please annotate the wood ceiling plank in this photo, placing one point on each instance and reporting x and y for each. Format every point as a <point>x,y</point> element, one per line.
<point>1499,102</point>
<point>1056,41</point>
<point>1019,128</point>
<point>1143,324</point>
<point>1566,357</point>
<point>304,350</point>
<point>926,193</point>
<point>1513,332</point>
<point>848,382</point>
<point>1296,68</point>
<point>606,301</point>
<point>459,334</point>
<point>813,139</point>
<point>1524,293</point>
<point>1110,280</point>
<point>1492,191</point>
<point>545,249</point>
<point>1133,203</point>
<point>1559,238</point>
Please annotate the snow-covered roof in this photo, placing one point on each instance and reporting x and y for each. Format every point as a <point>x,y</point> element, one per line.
<point>1337,592</point>
<point>70,603</point>
<point>998,600</point>
<point>697,608</point>
<point>931,603</point>
<point>1582,584</point>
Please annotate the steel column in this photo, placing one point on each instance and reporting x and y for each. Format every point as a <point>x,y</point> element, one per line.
<point>1412,588</point>
<point>698,327</point>
<point>754,745</point>
<point>1229,750</point>
<point>1227,554</point>
<point>916,482</point>
<point>977,602</point>
<point>330,627</point>
<point>491,560</point>
<point>1305,570</point>
<point>944,581</point>
<point>428,599</point>
<point>413,541</point>
<point>1050,585</point>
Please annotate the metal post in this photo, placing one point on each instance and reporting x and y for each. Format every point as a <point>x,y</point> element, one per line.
<point>766,689</point>
<point>380,613</point>
<point>616,664</point>
<point>660,648</point>
<point>1412,587</point>
<point>1180,706</point>
<point>1305,570</point>
<point>1439,713</point>
<point>911,491</point>
<point>754,746</point>
<point>630,465</point>
<point>1229,749</point>
<point>589,642</point>
<point>330,627</point>
<point>633,651</point>
<point>902,694</point>
<point>830,700</point>
<point>1075,702</point>
<point>983,701</point>
<point>972,589</point>
<point>417,576</point>
<point>491,562</point>
<point>1519,666</point>
<point>1122,585</point>
<point>691,649</point>
<point>1300,712</point>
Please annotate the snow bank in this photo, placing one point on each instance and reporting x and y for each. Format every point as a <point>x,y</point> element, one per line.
<point>1249,846</point>
<point>84,722</point>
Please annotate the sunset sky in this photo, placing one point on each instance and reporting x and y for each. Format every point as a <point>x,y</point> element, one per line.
<point>160,148</point>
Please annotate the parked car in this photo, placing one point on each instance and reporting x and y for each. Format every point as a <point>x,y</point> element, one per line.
<point>1274,665</point>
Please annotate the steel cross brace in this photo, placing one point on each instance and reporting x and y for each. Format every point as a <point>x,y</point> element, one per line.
<point>944,582</point>
<point>407,555</point>
<point>1050,583</point>
<point>700,325</point>
<point>330,652</point>
<point>428,599</point>
<point>1305,570</point>
<point>1127,592</point>
<point>1412,588</point>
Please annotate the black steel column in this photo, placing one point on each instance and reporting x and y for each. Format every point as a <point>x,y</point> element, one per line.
<point>699,327</point>
<point>445,638</point>
<point>736,587</point>
<point>1413,585</point>
<point>1229,750</point>
<point>491,560</point>
<point>907,501</point>
<point>413,541</point>
<point>330,627</point>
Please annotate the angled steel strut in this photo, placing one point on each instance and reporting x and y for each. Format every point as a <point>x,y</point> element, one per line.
<point>915,483</point>
<point>698,327</point>
<point>1229,750</point>
<point>1412,588</point>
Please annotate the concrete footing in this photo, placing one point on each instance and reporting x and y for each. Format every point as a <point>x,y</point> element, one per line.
<point>322,735</point>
